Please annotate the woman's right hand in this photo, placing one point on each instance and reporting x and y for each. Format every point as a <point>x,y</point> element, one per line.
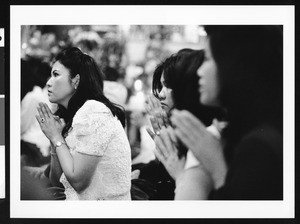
<point>158,117</point>
<point>50,124</point>
<point>205,146</point>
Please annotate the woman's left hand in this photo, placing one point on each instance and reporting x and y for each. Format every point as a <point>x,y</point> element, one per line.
<point>51,125</point>
<point>167,152</point>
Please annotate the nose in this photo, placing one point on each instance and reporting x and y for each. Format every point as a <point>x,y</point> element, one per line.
<point>199,72</point>
<point>162,94</point>
<point>49,83</point>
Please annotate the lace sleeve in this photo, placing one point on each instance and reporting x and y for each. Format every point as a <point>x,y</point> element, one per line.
<point>92,129</point>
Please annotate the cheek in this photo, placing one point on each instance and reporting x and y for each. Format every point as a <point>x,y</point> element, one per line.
<point>170,98</point>
<point>214,80</point>
<point>61,87</point>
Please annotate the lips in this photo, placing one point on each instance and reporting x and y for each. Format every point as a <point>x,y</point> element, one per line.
<point>163,104</point>
<point>200,86</point>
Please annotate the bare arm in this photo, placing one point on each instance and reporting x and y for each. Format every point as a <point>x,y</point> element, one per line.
<point>55,168</point>
<point>79,168</point>
<point>194,184</point>
<point>205,146</point>
<point>191,184</point>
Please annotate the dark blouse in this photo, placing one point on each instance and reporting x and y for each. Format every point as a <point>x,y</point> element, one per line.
<point>256,171</point>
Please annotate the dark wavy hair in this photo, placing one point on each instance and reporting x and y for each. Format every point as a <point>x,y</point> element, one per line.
<point>186,95</point>
<point>90,86</point>
<point>249,59</point>
<point>180,74</point>
<point>167,69</point>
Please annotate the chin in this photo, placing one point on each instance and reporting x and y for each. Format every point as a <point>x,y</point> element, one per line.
<point>204,100</point>
<point>51,100</point>
<point>209,102</point>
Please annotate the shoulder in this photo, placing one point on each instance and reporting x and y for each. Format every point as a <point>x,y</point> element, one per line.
<point>93,106</point>
<point>91,110</point>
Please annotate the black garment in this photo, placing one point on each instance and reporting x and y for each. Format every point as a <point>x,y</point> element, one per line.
<point>154,181</point>
<point>31,155</point>
<point>256,171</point>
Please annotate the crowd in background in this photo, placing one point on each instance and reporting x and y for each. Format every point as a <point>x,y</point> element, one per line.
<point>186,141</point>
<point>127,57</point>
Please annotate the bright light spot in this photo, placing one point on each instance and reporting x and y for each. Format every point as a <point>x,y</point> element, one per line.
<point>24,45</point>
<point>138,85</point>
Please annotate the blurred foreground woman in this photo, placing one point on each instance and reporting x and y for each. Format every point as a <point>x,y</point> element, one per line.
<point>243,73</point>
<point>90,153</point>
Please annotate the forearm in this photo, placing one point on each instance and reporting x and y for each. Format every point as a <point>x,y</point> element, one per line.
<point>55,168</point>
<point>219,172</point>
<point>194,184</point>
<point>66,162</point>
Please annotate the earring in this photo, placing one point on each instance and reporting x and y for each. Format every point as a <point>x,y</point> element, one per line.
<point>75,87</point>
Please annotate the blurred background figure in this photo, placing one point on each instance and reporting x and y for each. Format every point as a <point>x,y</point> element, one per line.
<point>34,75</point>
<point>243,74</point>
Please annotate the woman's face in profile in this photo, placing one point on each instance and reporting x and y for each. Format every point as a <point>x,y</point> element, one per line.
<point>208,83</point>
<point>165,96</point>
<point>60,87</point>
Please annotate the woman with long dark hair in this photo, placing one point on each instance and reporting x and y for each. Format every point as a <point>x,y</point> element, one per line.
<point>90,152</point>
<point>175,86</point>
<point>242,73</point>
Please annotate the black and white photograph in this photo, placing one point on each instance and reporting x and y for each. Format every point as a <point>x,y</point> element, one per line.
<point>152,115</point>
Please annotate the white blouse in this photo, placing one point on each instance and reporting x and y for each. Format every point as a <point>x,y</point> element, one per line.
<point>95,131</point>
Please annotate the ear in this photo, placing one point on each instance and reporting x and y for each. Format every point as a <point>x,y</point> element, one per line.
<point>76,81</point>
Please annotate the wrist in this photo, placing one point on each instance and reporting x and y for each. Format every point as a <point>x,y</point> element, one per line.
<point>178,178</point>
<point>219,175</point>
<point>56,139</point>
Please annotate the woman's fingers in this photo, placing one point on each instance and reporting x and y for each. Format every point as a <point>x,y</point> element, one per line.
<point>152,135</point>
<point>150,104</point>
<point>49,112</point>
<point>167,141</point>
<point>155,124</point>
<point>159,156</point>
<point>172,135</point>
<point>155,102</point>
<point>187,119</point>
<point>186,139</point>
<point>44,110</point>
<point>188,124</point>
<point>38,118</point>
<point>165,119</point>
<point>160,147</point>
<point>40,112</point>
<point>159,119</point>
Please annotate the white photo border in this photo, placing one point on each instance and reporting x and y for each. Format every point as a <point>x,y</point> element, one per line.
<point>153,15</point>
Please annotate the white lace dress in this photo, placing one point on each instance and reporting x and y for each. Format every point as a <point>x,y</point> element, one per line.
<point>95,131</point>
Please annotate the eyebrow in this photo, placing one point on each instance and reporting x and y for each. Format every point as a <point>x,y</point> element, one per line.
<point>56,70</point>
